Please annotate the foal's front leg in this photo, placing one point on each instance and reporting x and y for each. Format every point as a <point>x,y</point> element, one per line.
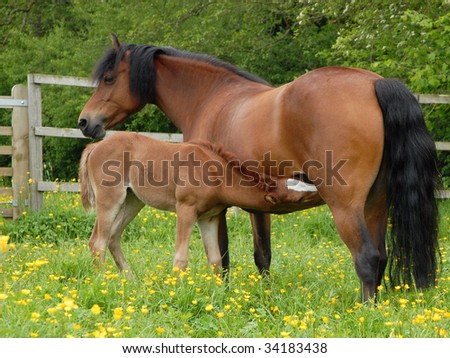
<point>186,218</point>
<point>209,229</point>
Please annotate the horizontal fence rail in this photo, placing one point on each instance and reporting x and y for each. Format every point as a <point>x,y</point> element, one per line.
<point>76,133</point>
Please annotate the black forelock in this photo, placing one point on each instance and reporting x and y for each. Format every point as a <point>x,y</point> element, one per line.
<point>142,70</point>
<point>142,74</point>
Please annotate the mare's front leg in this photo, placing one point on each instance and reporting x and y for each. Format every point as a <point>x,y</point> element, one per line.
<point>209,229</point>
<point>261,241</point>
<point>223,241</point>
<point>186,218</point>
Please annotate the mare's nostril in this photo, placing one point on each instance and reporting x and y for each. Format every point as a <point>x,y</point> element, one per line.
<point>83,123</point>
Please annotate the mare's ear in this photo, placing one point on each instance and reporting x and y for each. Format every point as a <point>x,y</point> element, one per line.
<point>271,199</point>
<point>115,42</point>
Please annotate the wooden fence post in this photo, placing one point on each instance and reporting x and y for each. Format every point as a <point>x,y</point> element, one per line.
<point>20,162</point>
<point>35,142</point>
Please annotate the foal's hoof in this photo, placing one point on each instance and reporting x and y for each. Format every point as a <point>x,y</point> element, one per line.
<point>129,275</point>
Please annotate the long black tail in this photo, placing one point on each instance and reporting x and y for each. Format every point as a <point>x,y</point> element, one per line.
<point>412,178</point>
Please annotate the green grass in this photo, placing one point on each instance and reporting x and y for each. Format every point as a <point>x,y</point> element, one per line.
<point>51,289</point>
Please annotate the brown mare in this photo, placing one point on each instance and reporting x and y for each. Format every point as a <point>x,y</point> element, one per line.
<point>360,138</point>
<point>126,171</point>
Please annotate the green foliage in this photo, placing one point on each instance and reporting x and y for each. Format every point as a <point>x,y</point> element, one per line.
<point>278,41</point>
<point>407,40</point>
<point>52,225</point>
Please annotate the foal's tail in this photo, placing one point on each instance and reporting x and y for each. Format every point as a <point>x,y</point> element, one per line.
<point>86,189</point>
<point>412,178</point>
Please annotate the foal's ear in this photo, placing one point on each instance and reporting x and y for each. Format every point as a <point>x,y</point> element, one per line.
<point>115,42</point>
<point>271,199</point>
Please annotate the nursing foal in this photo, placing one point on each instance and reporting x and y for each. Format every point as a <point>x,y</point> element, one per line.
<point>126,171</point>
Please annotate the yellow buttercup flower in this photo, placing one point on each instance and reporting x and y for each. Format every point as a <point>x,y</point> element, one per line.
<point>118,313</point>
<point>35,316</point>
<point>4,242</point>
<point>436,317</point>
<point>96,309</point>
<point>131,309</point>
<point>68,304</point>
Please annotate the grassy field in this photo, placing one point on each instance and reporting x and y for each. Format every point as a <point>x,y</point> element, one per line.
<point>51,289</point>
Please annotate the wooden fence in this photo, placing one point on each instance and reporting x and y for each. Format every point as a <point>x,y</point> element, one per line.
<point>27,133</point>
<point>17,196</point>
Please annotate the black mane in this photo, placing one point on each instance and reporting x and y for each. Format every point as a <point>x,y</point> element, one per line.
<point>142,71</point>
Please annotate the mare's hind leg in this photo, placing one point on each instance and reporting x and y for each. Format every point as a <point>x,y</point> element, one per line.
<point>127,213</point>
<point>376,214</point>
<point>351,225</point>
<point>261,241</point>
<point>209,229</point>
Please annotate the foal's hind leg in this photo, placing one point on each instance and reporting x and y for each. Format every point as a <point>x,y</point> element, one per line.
<point>127,213</point>
<point>108,206</point>
<point>98,242</point>
<point>95,243</point>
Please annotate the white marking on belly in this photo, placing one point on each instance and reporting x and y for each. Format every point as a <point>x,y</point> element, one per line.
<point>301,186</point>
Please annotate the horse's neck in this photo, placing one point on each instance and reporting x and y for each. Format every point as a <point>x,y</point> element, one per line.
<point>188,90</point>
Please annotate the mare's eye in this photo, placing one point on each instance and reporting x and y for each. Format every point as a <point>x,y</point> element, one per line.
<point>108,79</point>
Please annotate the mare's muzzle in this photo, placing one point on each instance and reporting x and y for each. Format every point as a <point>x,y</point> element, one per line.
<point>92,129</point>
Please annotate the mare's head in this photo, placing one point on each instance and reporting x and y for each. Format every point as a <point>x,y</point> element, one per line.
<point>126,79</point>
<point>124,86</point>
